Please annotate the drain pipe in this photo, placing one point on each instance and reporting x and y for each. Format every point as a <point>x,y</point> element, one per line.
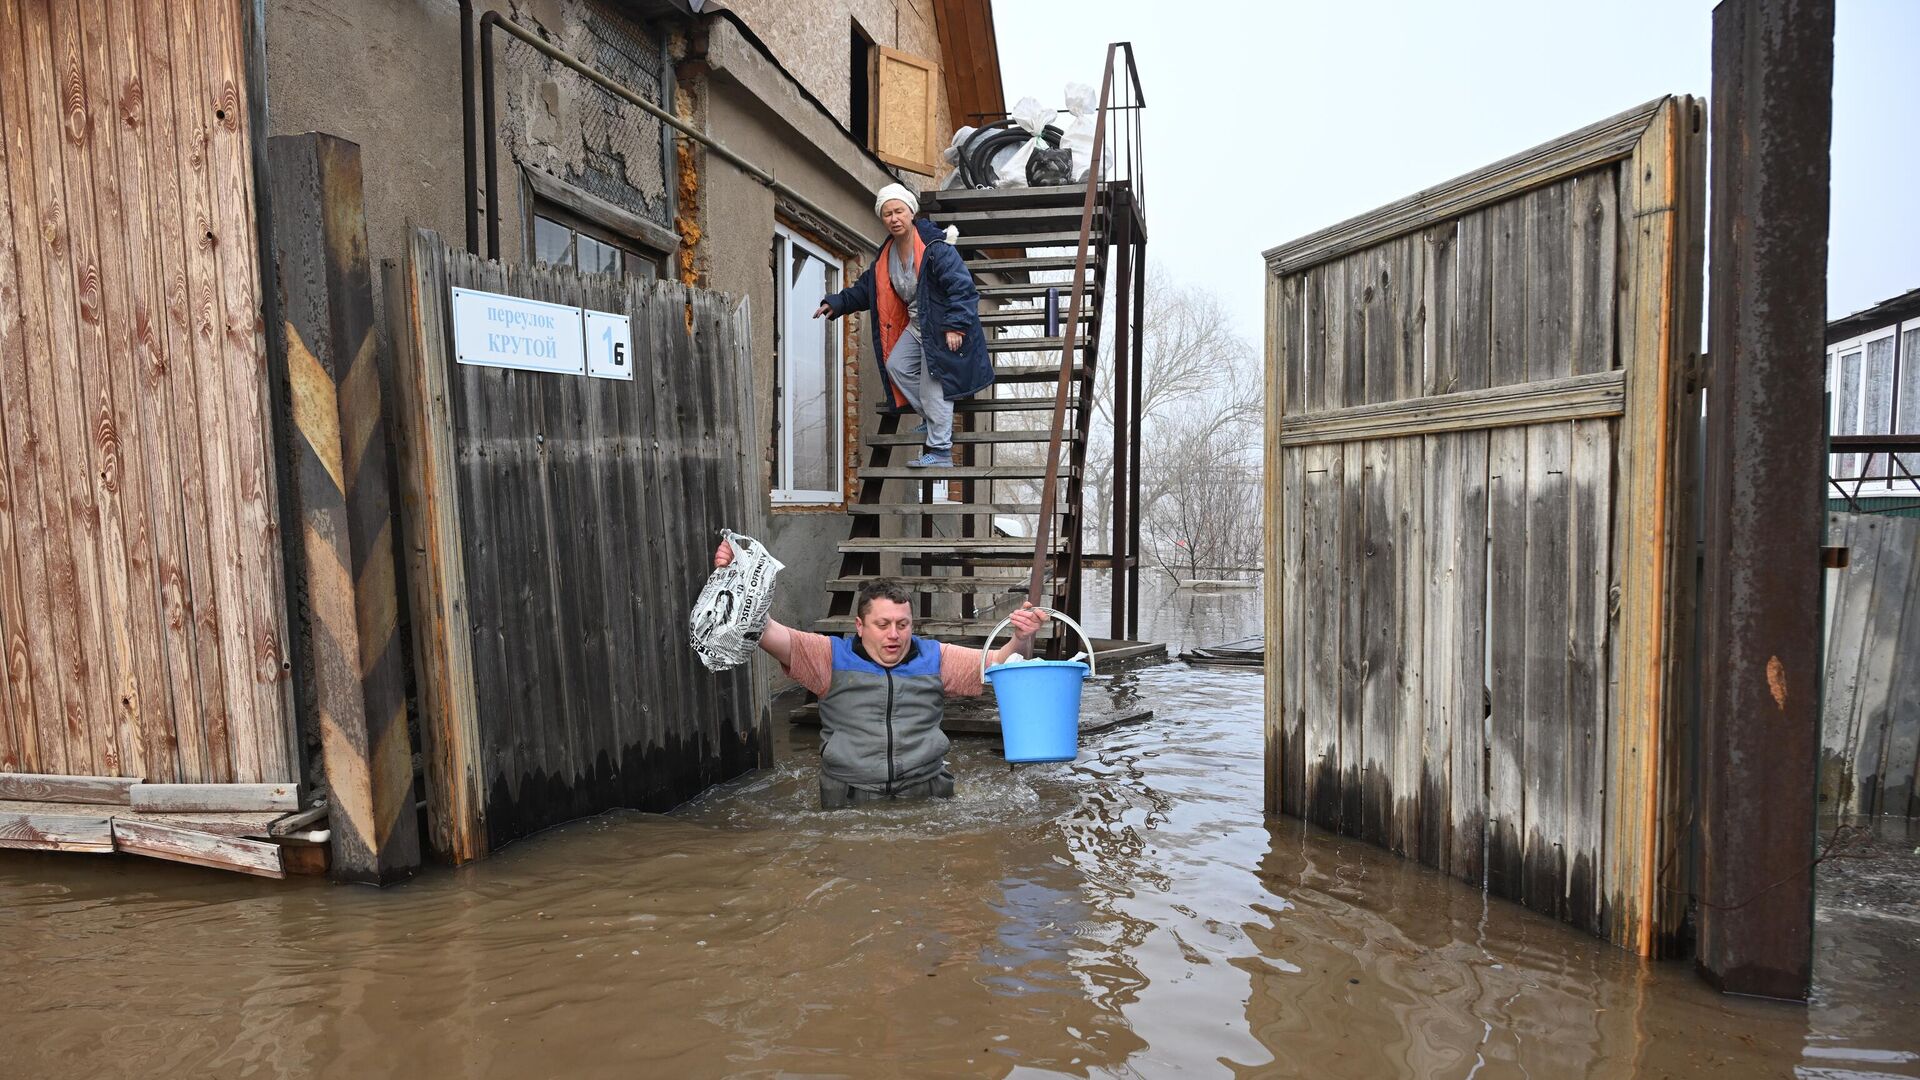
<point>467,123</point>
<point>493,19</point>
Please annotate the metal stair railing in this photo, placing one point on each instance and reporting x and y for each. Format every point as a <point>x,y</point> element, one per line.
<point>1045,537</point>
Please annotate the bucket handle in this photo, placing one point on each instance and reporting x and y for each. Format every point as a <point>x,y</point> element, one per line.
<point>986,650</point>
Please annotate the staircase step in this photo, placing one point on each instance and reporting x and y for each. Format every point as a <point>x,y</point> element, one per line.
<point>1034,262</point>
<point>941,508</point>
<point>949,583</point>
<point>1030,290</point>
<point>1012,404</point>
<point>957,472</point>
<point>1064,218</point>
<point>1025,316</point>
<point>1055,239</point>
<point>1023,435</point>
<point>960,200</point>
<point>1029,373</point>
<point>971,546</point>
<point>1026,344</point>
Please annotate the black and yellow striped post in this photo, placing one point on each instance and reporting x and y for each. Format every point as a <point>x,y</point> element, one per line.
<point>352,691</point>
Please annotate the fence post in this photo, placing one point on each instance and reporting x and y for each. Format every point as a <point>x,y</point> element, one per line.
<point>351,689</point>
<point>1772,119</point>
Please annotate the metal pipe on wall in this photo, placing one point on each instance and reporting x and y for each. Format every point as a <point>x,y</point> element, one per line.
<point>467,127</point>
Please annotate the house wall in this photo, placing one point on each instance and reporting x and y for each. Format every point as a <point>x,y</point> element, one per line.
<point>387,77</point>
<point>817,47</point>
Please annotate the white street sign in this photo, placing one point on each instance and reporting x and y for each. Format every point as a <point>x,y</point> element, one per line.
<point>609,346</point>
<point>506,331</point>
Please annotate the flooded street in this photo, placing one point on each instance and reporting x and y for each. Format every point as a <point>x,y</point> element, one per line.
<point>1132,913</point>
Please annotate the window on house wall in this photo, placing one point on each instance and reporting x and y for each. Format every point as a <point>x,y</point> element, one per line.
<point>1873,388</point>
<point>563,238</point>
<point>809,406</point>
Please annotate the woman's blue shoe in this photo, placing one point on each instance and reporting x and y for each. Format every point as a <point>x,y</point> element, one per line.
<point>932,460</point>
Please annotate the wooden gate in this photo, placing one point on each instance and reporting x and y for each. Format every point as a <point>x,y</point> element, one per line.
<point>142,604</point>
<point>558,530</point>
<point>1478,483</point>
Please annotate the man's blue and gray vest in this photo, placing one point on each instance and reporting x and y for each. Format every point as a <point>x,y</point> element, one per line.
<point>881,726</point>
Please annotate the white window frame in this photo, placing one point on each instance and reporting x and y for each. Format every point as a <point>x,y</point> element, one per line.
<point>782,494</point>
<point>1835,351</point>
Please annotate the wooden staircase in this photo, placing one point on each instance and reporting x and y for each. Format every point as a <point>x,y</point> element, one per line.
<point>954,554</point>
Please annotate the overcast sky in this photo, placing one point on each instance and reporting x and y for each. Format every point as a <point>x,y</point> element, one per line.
<point>1266,121</point>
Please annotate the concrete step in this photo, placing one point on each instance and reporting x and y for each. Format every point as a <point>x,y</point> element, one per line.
<point>1031,373</point>
<point>970,546</point>
<point>1034,316</point>
<point>1010,344</point>
<point>1012,404</point>
<point>1030,263</point>
<point>962,200</point>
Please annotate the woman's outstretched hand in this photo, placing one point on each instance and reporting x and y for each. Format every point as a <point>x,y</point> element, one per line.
<point>822,310</point>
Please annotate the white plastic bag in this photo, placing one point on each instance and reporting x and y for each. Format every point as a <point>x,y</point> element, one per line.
<point>1031,115</point>
<point>1011,170</point>
<point>1080,100</point>
<point>951,155</point>
<point>726,621</point>
<point>1079,139</point>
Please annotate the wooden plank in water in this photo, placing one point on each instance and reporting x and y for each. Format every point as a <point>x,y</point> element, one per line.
<point>1590,576</point>
<point>1507,626</point>
<point>1322,476</point>
<point>60,831</point>
<point>180,798</point>
<point>1380,614</point>
<point>1543,758</point>
<point>1350,569</point>
<point>1292,642</point>
<point>198,848</point>
<point>1410,582</point>
<point>1469,675</point>
<point>1436,639</point>
<point>106,790</point>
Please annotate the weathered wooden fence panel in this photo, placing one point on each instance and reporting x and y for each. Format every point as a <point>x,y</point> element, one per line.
<point>560,528</point>
<point>1870,726</point>
<point>1477,396</point>
<point>142,606</point>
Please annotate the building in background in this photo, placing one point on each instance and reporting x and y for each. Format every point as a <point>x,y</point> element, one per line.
<point>1873,388</point>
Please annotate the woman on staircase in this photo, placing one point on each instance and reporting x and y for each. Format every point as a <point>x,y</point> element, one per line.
<point>926,320</point>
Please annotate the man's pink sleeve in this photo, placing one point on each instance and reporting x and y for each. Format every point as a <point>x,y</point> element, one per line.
<point>810,663</point>
<point>960,670</point>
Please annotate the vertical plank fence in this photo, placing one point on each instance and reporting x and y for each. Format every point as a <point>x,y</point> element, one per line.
<point>1870,724</point>
<point>558,530</point>
<point>142,603</point>
<point>1477,492</point>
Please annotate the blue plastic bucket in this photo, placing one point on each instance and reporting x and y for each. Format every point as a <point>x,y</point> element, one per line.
<point>1039,701</point>
<point>1039,708</point>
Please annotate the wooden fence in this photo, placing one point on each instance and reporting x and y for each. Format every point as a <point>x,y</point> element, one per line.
<point>142,604</point>
<point>1870,727</point>
<point>558,529</point>
<point>1477,519</point>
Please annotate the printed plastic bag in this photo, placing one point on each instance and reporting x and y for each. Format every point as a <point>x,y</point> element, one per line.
<point>726,621</point>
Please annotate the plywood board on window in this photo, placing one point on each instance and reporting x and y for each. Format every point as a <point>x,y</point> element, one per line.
<point>905,115</point>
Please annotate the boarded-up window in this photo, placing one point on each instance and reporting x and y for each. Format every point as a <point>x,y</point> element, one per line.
<point>903,128</point>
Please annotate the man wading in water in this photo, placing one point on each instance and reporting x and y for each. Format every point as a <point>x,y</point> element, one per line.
<point>882,691</point>
<point>926,321</point>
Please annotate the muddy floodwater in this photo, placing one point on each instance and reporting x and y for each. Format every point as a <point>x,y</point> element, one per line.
<point>1132,913</point>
